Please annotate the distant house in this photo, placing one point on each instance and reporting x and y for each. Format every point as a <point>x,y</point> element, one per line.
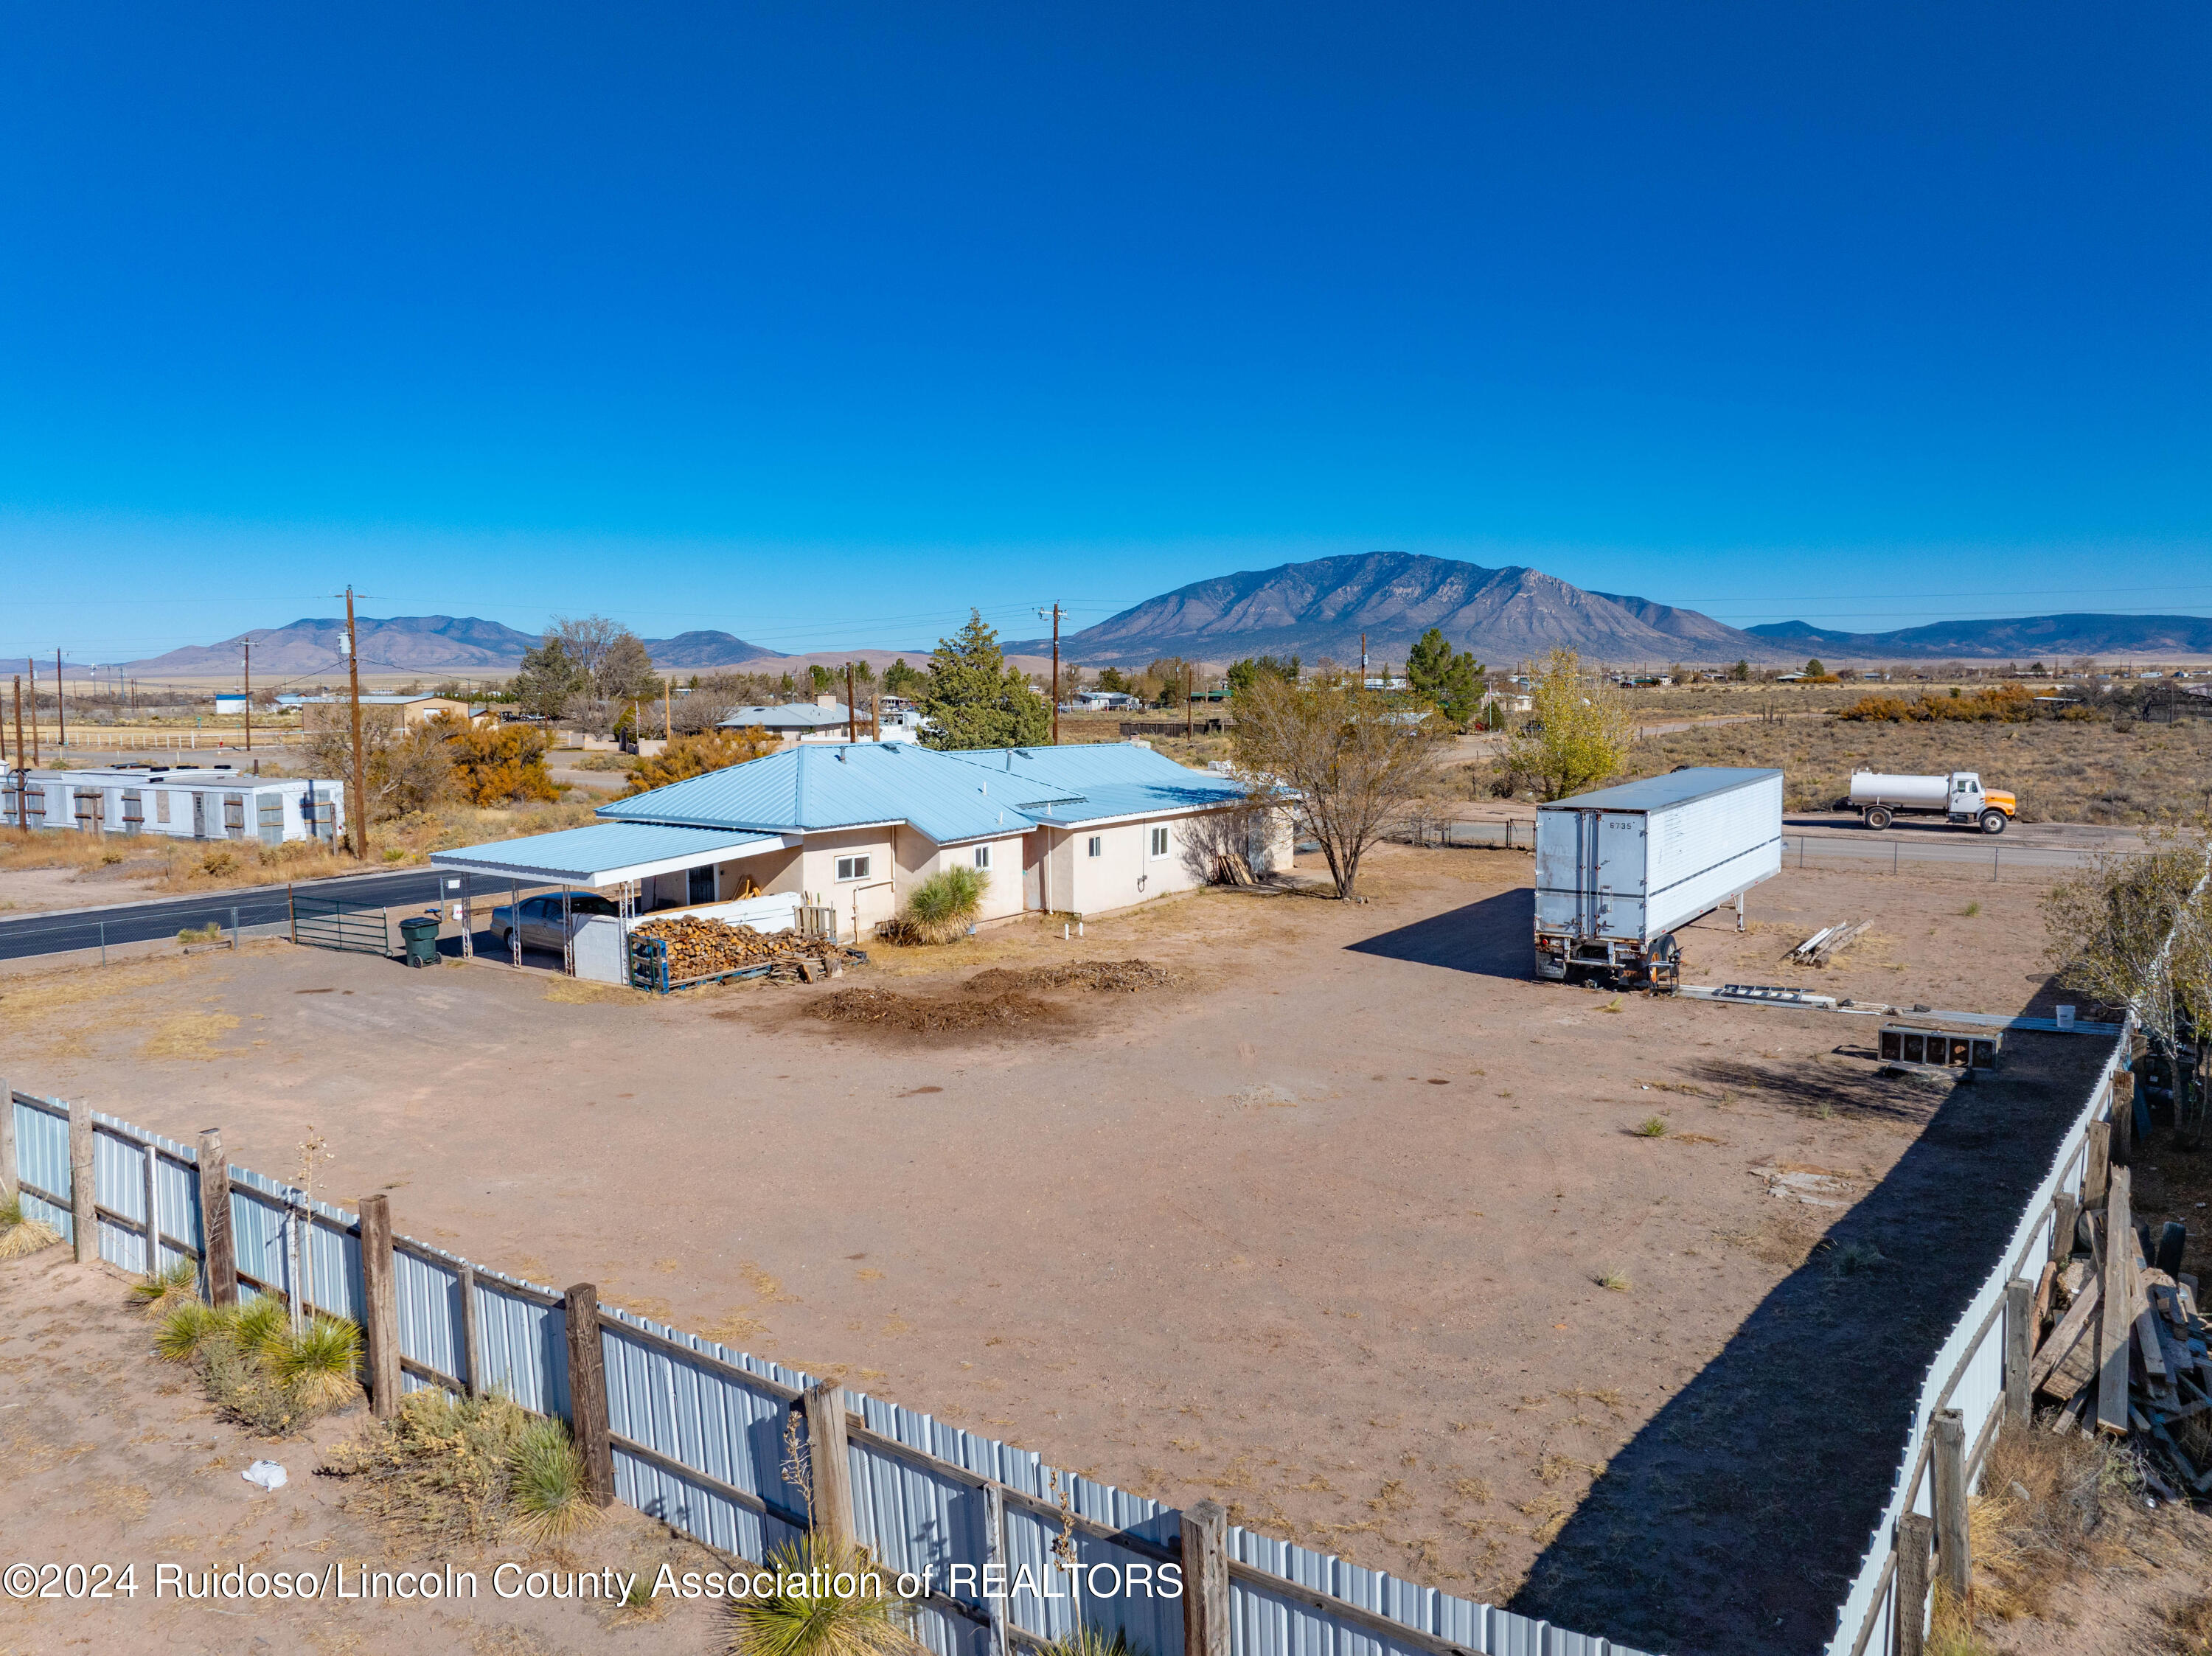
<point>1105,701</point>
<point>824,719</point>
<point>226,703</point>
<point>323,712</point>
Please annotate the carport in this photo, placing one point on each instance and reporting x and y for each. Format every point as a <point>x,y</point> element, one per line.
<point>610,859</point>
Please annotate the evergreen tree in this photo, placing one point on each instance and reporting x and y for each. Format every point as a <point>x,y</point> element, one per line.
<point>549,679</point>
<point>901,680</point>
<point>975,700</point>
<point>1242,673</point>
<point>1453,679</point>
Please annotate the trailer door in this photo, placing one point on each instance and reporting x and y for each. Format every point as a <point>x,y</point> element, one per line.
<point>1567,871</point>
<point>1619,874</point>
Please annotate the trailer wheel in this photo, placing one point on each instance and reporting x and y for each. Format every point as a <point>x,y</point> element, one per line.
<point>1993,822</point>
<point>1877,818</point>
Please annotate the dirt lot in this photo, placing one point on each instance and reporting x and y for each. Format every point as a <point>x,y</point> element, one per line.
<point>1353,1227</point>
<point>113,1457</point>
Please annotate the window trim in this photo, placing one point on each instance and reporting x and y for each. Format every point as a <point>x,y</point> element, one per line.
<point>1157,843</point>
<point>853,867</point>
<point>983,858</point>
<point>1097,848</point>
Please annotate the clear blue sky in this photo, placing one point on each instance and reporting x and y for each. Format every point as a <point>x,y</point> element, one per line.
<point>818,324</point>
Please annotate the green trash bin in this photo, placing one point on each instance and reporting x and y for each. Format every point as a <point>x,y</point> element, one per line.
<point>420,934</point>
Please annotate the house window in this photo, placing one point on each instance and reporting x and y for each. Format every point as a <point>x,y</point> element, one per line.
<point>851,868</point>
<point>160,806</point>
<point>233,814</point>
<point>983,857</point>
<point>134,811</point>
<point>1159,842</point>
<point>1097,845</point>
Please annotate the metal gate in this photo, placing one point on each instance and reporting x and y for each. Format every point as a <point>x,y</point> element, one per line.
<point>326,923</point>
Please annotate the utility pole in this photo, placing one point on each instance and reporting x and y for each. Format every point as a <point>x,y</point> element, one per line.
<point>22,771</point>
<point>33,667</point>
<point>61,696</point>
<point>357,790</point>
<point>1189,684</point>
<point>249,695</point>
<point>1363,661</point>
<point>667,710</point>
<point>852,714</point>
<point>1056,613</point>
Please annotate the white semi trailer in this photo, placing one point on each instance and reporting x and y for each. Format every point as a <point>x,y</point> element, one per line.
<point>1959,797</point>
<point>1620,870</point>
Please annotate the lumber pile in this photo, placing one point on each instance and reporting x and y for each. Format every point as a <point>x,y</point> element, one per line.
<point>1828,941</point>
<point>2121,1341</point>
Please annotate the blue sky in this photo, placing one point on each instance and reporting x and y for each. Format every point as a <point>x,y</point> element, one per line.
<point>820,325</point>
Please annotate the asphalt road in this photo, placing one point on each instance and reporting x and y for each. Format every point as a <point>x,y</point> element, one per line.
<point>51,934</point>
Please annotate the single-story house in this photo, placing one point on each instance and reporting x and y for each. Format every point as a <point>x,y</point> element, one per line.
<point>230,703</point>
<point>822,719</point>
<point>854,826</point>
<point>1104,702</point>
<point>323,712</point>
<point>185,802</point>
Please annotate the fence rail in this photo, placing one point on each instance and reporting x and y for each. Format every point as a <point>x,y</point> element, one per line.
<point>693,1434</point>
<point>328,923</point>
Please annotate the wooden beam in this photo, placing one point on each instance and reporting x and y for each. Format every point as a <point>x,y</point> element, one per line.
<point>1206,1625</point>
<point>2021,1327</point>
<point>2097,1175</point>
<point>472,1341</point>
<point>219,1250</point>
<point>84,1223</point>
<point>2117,1321</point>
<point>2123,1118</point>
<point>380,1321</point>
<point>588,1394</point>
<point>1954,1561</point>
<point>829,1462</point>
<point>153,1214</point>
<point>1916,1540</point>
<point>2067,1209</point>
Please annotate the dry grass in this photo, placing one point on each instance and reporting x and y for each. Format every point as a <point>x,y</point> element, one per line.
<point>20,1236</point>
<point>2052,1508</point>
<point>190,1035</point>
<point>439,1469</point>
<point>575,992</point>
<point>2064,772</point>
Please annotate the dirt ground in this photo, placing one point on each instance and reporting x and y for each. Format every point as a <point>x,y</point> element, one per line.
<point>115,1458</point>
<point>1353,1229</point>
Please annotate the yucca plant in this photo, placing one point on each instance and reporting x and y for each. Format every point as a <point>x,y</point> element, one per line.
<point>943,905</point>
<point>1095,1641</point>
<point>20,1233</point>
<point>186,1330</point>
<point>259,1327</point>
<point>165,1289</point>
<point>545,1483</point>
<point>319,1366</point>
<point>804,1624</point>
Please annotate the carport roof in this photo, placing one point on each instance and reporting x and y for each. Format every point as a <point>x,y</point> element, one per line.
<point>606,853</point>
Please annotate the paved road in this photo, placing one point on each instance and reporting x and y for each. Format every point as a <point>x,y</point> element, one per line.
<point>49,934</point>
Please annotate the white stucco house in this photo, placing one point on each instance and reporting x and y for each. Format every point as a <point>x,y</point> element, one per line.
<point>853,826</point>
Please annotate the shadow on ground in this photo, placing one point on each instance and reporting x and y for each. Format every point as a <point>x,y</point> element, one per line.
<point>1733,1522</point>
<point>1490,938</point>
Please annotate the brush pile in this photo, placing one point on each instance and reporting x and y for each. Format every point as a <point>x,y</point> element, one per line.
<point>1126,977</point>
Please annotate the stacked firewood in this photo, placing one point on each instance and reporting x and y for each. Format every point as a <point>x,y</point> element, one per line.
<point>702,949</point>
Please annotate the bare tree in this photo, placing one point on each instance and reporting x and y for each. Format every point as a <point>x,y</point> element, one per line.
<point>407,768</point>
<point>1347,761</point>
<point>2136,932</point>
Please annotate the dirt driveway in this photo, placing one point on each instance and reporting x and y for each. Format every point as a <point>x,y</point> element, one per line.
<point>1353,1230</point>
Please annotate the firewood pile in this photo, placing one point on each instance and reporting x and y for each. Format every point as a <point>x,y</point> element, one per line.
<point>707,947</point>
<point>2121,1343</point>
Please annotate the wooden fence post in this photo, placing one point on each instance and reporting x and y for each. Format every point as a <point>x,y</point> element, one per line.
<point>2097,1176</point>
<point>1953,1555</point>
<point>84,1222</point>
<point>471,1344</point>
<point>1916,1536</point>
<point>8,1188</point>
<point>2118,1307</point>
<point>2020,1334</point>
<point>2123,1118</point>
<point>1206,1579</point>
<point>380,1310</point>
<point>2067,1210</point>
<point>588,1394</point>
<point>153,1172</point>
<point>829,1462</point>
<point>218,1246</point>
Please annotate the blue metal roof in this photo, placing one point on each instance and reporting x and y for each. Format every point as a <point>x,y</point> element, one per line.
<point>1657,792</point>
<point>842,784</point>
<point>602,852</point>
<point>1092,782</point>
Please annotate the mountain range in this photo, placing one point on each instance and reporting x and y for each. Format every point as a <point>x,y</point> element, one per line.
<point>1318,609</point>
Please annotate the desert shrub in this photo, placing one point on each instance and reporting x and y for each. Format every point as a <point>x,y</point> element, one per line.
<point>694,755</point>
<point>827,1623</point>
<point>2009,704</point>
<point>494,764</point>
<point>19,1234</point>
<point>941,907</point>
<point>465,1471</point>
<point>260,1370</point>
<point>167,1288</point>
<point>1093,1641</point>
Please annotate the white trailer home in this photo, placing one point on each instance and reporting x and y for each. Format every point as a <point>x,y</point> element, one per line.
<point>196,802</point>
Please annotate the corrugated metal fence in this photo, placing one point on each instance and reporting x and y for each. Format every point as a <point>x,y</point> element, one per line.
<point>699,1438</point>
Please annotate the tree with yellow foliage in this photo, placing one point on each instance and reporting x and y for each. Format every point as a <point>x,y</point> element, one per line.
<point>1580,731</point>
